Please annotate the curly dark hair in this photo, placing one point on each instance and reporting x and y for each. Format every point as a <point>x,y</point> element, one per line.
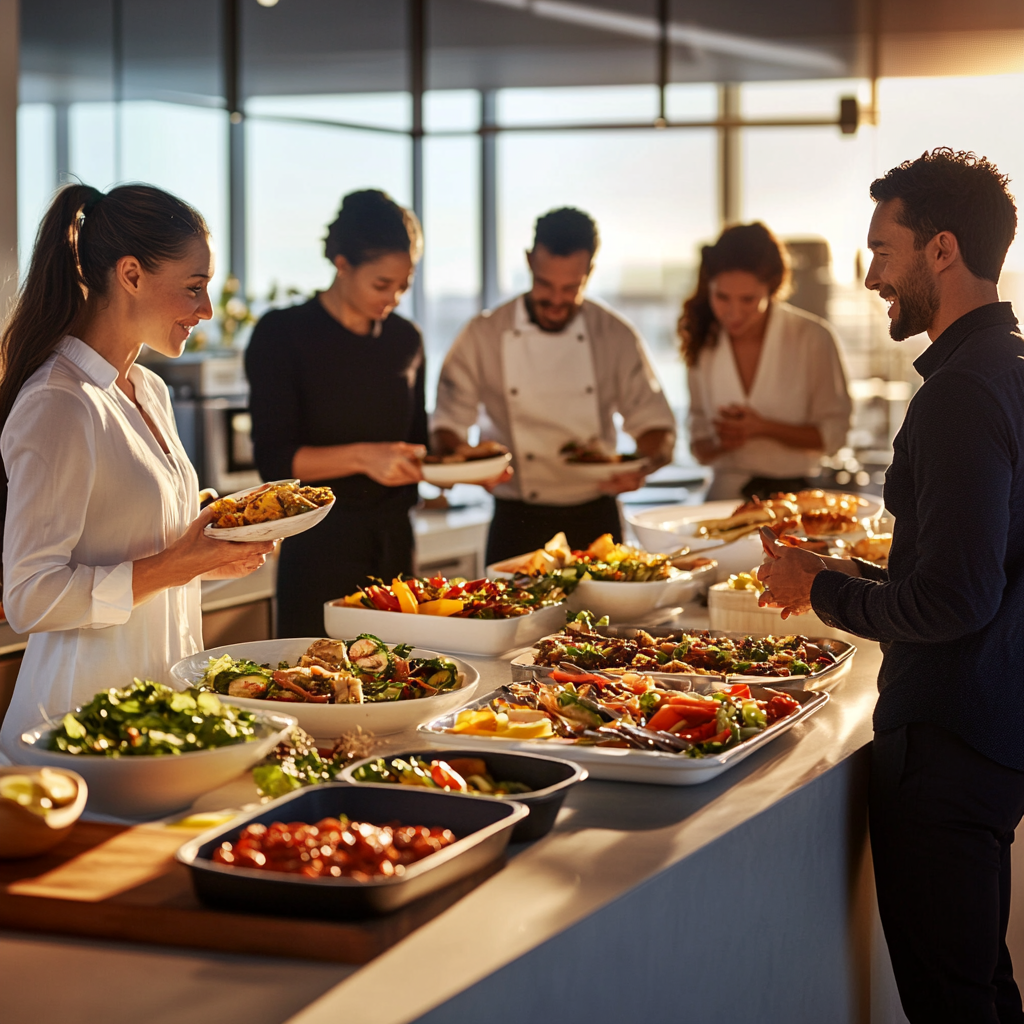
<point>958,192</point>
<point>749,247</point>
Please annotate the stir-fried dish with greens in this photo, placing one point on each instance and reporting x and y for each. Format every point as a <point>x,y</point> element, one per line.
<point>456,775</point>
<point>603,560</point>
<point>630,711</point>
<point>150,718</point>
<point>297,761</point>
<point>361,671</point>
<point>461,599</point>
<point>698,653</point>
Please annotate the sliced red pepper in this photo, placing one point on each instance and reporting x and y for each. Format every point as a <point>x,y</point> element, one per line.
<point>721,737</point>
<point>737,690</point>
<point>577,677</point>
<point>700,734</point>
<point>447,778</point>
<point>668,716</point>
<point>382,598</point>
<point>417,588</point>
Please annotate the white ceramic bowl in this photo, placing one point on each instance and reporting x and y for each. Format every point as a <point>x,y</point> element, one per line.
<point>487,638</point>
<point>276,529</point>
<point>147,786</point>
<point>669,527</point>
<point>328,721</point>
<point>632,603</point>
<point>737,611</point>
<point>447,474</point>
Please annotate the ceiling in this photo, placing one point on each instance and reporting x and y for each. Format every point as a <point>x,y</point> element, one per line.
<point>171,48</point>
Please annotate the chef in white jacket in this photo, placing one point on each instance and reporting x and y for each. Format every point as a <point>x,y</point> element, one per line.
<point>548,368</point>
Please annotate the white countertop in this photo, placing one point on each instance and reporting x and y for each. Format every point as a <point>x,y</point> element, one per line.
<point>610,838</point>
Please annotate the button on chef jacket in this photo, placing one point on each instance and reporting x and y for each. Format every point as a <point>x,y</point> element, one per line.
<point>538,390</point>
<point>90,491</point>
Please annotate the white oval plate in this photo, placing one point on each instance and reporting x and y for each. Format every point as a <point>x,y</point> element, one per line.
<point>328,721</point>
<point>276,529</point>
<point>447,474</point>
<point>599,472</point>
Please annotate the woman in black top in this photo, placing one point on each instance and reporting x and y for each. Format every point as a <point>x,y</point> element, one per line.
<point>337,398</point>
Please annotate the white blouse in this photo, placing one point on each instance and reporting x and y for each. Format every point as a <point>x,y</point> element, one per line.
<point>90,491</point>
<point>799,380</point>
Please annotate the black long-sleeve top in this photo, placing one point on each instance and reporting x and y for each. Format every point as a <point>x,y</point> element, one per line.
<point>313,382</point>
<point>950,610</point>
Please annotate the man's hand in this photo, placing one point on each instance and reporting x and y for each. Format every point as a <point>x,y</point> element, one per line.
<point>622,482</point>
<point>788,574</point>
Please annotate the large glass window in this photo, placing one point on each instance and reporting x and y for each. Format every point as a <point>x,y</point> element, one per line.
<point>296,176</point>
<point>37,172</point>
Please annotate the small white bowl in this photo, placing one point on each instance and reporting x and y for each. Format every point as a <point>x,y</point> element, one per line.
<point>150,786</point>
<point>630,603</point>
<point>473,471</point>
<point>737,611</point>
<point>24,833</point>
<point>488,638</point>
<point>328,721</point>
<point>275,529</point>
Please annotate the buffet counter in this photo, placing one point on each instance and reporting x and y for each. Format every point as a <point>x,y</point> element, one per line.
<point>746,898</point>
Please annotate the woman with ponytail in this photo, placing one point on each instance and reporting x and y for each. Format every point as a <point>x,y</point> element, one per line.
<point>103,543</point>
<point>768,393</point>
<point>337,397</point>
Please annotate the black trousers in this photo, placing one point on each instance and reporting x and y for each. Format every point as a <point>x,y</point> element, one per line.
<point>518,527</point>
<point>335,557</point>
<point>942,818</point>
<point>765,486</point>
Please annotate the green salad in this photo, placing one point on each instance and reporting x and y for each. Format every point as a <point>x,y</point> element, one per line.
<point>152,719</point>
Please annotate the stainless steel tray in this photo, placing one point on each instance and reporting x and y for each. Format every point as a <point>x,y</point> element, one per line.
<point>624,765</point>
<point>523,666</point>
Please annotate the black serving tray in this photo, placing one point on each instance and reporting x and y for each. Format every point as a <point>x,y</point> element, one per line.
<point>550,779</point>
<point>483,827</point>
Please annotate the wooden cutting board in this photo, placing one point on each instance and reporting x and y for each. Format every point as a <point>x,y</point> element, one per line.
<point>122,883</point>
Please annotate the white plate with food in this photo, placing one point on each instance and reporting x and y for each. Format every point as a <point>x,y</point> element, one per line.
<point>660,767</point>
<point>272,511</point>
<point>625,602</point>
<point>467,465</point>
<point>487,638</point>
<point>600,472</point>
<point>715,528</point>
<point>372,692</point>
<point>150,785</point>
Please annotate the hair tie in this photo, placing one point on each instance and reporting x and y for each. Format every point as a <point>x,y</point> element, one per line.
<point>90,204</point>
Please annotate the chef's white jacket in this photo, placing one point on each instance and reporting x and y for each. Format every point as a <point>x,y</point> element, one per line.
<point>535,390</point>
<point>799,380</point>
<point>91,490</point>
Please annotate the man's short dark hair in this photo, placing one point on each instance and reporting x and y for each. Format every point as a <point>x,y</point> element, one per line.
<point>957,192</point>
<point>565,231</point>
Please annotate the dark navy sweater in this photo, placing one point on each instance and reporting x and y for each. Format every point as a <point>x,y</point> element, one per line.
<point>950,610</point>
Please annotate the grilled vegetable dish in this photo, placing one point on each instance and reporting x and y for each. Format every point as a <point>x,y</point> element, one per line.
<point>150,718</point>
<point>459,599</point>
<point>603,560</point>
<point>456,775</point>
<point>631,711</point>
<point>360,671</point>
<point>333,848</point>
<point>692,653</point>
<point>269,503</point>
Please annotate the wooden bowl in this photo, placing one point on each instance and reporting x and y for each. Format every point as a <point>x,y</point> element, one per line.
<point>24,833</point>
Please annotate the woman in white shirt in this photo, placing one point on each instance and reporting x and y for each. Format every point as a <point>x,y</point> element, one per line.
<point>768,394</point>
<point>103,543</point>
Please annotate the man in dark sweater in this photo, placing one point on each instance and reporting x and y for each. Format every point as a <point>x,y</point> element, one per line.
<point>947,784</point>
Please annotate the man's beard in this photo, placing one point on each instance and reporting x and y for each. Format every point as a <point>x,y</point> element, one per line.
<point>919,302</point>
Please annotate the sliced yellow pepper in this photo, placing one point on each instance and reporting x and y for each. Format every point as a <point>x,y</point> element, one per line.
<point>406,598</point>
<point>526,730</point>
<point>354,600</point>
<point>443,606</point>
